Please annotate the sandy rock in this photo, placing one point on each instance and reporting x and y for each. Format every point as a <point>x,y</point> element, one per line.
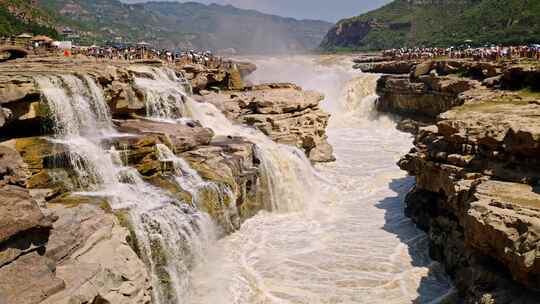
<point>425,97</point>
<point>283,112</point>
<point>95,261</point>
<point>182,137</point>
<point>476,194</point>
<point>31,280</point>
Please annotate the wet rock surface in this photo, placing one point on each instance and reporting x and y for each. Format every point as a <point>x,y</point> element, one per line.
<point>477,174</point>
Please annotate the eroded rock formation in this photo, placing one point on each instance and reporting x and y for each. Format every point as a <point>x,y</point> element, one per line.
<point>284,112</point>
<point>58,246</point>
<point>477,174</point>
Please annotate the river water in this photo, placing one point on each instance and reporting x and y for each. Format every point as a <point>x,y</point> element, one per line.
<point>351,243</point>
<point>336,233</point>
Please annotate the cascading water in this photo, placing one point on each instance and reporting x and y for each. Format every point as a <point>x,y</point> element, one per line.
<point>171,235</point>
<point>287,173</point>
<point>358,249</point>
<point>192,182</point>
<point>164,92</point>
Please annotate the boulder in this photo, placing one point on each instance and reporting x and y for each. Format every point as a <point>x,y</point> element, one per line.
<point>425,97</point>
<point>13,170</point>
<point>231,163</point>
<point>14,88</point>
<point>95,260</point>
<point>19,212</point>
<point>182,137</point>
<point>389,67</point>
<point>29,280</point>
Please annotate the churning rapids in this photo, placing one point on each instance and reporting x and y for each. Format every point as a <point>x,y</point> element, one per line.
<point>337,232</point>
<point>356,246</point>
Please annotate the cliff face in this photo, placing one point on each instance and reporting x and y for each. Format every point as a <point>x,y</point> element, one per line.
<point>477,176</point>
<point>437,23</point>
<point>60,246</point>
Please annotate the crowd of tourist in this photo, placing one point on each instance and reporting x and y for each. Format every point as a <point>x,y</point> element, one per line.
<point>46,46</point>
<point>493,53</point>
<point>204,57</point>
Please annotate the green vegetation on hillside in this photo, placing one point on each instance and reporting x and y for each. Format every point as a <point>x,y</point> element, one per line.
<point>439,23</point>
<point>34,21</point>
<point>186,25</point>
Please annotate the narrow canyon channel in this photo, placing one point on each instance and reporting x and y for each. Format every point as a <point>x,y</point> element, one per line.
<point>187,186</point>
<point>350,242</point>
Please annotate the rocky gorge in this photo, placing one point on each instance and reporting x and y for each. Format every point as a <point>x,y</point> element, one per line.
<point>68,232</point>
<point>475,159</point>
<point>121,186</point>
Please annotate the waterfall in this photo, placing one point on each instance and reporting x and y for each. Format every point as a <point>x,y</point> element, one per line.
<point>163,97</point>
<point>286,171</point>
<point>171,235</point>
<point>287,174</point>
<point>201,191</point>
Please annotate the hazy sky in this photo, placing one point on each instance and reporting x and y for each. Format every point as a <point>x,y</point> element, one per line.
<point>330,10</point>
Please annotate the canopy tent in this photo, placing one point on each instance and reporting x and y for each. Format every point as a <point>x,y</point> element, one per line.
<point>42,38</point>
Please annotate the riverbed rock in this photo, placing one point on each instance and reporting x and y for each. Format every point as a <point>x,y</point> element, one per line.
<point>425,97</point>
<point>284,112</point>
<point>59,246</point>
<point>476,195</point>
<point>182,137</point>
<point>387,67</point>
<point>94,258</point>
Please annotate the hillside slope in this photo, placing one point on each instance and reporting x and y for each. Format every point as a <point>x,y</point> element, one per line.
<point>173,24</point>
<point>438,23</point>
<point>17,16</point>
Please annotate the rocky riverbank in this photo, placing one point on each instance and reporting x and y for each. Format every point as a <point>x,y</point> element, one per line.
<point>60,246</point>
<point>476,166</point>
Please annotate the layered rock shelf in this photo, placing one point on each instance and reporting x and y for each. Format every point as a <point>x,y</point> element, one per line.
<point>477,172</point>
<point>59,246</point>
<point>283,112</point>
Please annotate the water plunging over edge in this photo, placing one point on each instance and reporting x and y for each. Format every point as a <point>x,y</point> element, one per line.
<point>171,235</point>
<point>286,172</point>
<point>362,249</point>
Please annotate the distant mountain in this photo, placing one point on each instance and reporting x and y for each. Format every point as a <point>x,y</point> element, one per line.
<point>193,25</point>
<point>438,23</point>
